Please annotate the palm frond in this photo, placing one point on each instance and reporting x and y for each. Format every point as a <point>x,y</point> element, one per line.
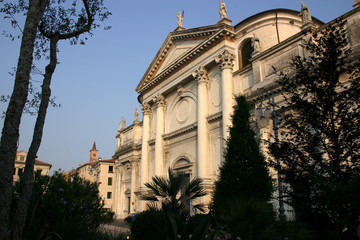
<point>174,193</point>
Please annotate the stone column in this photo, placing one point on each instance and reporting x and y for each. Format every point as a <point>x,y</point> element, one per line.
<point>117,192</point>
<point>144,164</point>
<point>226,64</point>
<point>121,194</point>
<point>134,164</point>
<point>159,145</point>
<point>200,74</point>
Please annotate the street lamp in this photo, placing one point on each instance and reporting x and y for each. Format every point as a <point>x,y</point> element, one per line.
<point>263,114</point>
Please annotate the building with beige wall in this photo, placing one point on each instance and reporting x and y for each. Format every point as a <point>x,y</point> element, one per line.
<point>101,172</point>
<point>187,95</point>
<point>19,167</point>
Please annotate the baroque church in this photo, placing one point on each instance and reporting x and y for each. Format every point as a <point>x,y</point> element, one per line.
<point>187,95</point>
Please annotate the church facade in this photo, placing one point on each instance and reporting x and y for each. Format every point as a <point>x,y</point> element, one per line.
<point>187,95</point>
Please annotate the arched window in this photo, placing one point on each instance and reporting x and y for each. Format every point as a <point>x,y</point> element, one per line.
<point>245,52</point>
<point>182,165</point>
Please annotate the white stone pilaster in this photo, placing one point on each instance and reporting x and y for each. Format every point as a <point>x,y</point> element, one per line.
<point>202,171</point>
<point>117,192</point>
<point>134,165</point>
<point>144,163</point>
<point>226,64</point>
<point>121,199</point>
<point>159,131</point>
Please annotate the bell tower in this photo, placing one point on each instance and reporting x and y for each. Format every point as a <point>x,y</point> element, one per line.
<point>93,153</point>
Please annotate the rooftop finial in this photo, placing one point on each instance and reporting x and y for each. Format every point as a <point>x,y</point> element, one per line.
<point>136,115</point>
<point>124,122</point>
<point>120,125</point>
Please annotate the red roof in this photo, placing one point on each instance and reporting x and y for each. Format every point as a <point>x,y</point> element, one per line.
<point>38,162</point>
<point>108,161</point>
<point>87,163</point>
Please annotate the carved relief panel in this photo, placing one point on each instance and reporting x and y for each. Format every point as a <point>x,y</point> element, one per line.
<point>182,109</point>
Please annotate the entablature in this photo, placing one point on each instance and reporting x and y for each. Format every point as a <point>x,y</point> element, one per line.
<point>127,148</point>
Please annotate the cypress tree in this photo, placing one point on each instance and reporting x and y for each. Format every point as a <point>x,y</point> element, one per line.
<point>243,174</point>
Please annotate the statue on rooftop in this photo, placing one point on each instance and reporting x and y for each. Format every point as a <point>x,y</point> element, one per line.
<point>222,10</point>
<point>305,13</point>
<point>136,115</point>
<point>180,17</point>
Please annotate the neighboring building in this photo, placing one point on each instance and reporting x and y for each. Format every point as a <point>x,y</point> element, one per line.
<point>186,95</point>
<point>105,178</point>
<point>19,167</point>
<point>69,174</point>
<point>101,172</point>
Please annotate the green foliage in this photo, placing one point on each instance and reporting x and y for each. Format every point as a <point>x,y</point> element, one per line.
<point>150,224</point>
<point>248,219</point>
<point>320,146</point>
<point>243,173</point>
<point>71,209</point>
<point>254,219</point>
<point>60,17</point>
<point>198,225</point>
<point>175,193</point>
<point>193,228</point>
<point>159,224</point>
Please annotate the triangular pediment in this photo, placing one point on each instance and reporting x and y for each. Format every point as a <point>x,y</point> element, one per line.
<point>178,49</point>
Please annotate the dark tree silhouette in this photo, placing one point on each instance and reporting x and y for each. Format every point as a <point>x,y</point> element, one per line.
<point>320,144</point>
<point>48,22</point>
<point>243,174</point>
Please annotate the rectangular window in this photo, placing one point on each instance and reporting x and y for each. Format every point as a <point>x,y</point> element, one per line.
<point>110,181</point>
<point>20,171</point>
<point>110,169</point>
<point>108,195</point>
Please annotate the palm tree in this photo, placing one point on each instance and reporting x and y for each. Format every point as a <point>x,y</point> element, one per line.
<point>175,193</point>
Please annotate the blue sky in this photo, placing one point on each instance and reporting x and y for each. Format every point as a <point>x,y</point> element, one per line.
<point>95,83</point>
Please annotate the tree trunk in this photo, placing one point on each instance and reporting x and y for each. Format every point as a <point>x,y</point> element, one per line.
<point>10,131</point>
<point>21,208</point>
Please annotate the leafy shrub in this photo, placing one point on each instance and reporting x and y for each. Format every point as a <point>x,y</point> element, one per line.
<point>247,219</point>
<point>67,208</point>
<point>150,224</point>
<point>254,219</point>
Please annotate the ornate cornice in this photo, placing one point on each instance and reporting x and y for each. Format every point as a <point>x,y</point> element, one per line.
<point>126,149</point>
<point>214,117</point>
<point>201,75</point>
<point>225,32</point>
<point>225,60</point>
<point>180,131</point>
<point>151,142</point>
